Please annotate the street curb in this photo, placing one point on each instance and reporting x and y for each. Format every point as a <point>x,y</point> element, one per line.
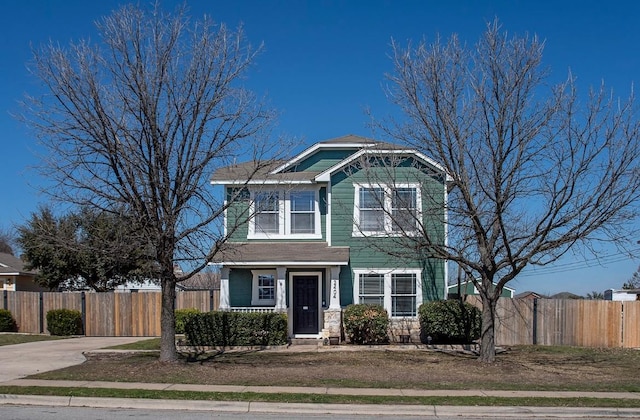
<point>428,411</point>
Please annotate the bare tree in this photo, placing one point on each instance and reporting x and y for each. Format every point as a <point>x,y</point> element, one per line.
<point>140,121</point>
<point>7,238</point>
<point>633,282</point>
<point>535,170</point>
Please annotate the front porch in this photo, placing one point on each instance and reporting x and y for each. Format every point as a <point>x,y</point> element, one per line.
<point>299,279</point>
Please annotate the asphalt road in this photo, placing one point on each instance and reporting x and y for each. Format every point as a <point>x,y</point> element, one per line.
<point>85,413</point>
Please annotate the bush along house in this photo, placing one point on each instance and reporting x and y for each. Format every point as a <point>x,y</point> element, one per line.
<point>335,225</point>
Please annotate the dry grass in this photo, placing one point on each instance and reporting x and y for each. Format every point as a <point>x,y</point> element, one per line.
<point>526,368</point>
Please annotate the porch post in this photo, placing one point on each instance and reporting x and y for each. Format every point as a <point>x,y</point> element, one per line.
<point>281,293</point>
<point>224,289</point>
<point>333,314</point>
<point>334,300</point>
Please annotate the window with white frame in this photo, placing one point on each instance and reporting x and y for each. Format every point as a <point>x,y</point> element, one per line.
<point>263,291</point>
<point>403,294</point>
<point>386,209</point>
<point>267,212</point>
<point>371,288</point>
<point>303,206</point>
<point>398,291</point>
<point>281,213</point>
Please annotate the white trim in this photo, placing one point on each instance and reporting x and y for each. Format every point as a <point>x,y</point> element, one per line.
<point>284,216</point>
<point>387,273</point>
<point>387,209</point>
<point>446,237</point>
<point>262,182</point>
<point>255,298</point>
<point>287,263</point>
<point>311,150</point>
<point>325,176</point>
<point>327,224</point>
<point>292,303</point>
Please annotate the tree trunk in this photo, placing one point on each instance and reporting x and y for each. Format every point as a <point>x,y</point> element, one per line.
<point>168,352</point>
<point>487,336</point>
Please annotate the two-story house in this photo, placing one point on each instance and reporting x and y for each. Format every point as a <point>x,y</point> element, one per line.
<point>327,228</point>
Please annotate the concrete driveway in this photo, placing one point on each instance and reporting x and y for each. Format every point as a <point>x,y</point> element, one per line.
<point>20,360</point>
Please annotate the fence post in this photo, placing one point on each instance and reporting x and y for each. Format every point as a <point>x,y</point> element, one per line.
<point>5,300</point>
<point>210,300</point>
<point>535,321</point>
<point>83,306</point>
<point>41,306</point>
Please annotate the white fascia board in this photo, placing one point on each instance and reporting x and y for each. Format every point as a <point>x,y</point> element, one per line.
<point>326,175</point>
<point>261,182</point>
<point>282,263</point>
<point>17,273</point>
<point>315,148</point>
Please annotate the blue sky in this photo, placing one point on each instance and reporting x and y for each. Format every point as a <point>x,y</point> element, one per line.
<point>324,63</point>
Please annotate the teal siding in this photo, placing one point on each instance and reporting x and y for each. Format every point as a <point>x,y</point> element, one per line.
<point>240,283</point>
<point>370,252</point>
<point>346,285</point>
<point>237,217</point>
<point>322,160</point>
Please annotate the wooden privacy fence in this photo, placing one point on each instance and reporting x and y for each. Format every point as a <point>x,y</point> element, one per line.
<point>566,322</point>
<point>103,314</point>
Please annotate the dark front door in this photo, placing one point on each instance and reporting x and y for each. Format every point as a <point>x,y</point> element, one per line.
<point>305,304</point>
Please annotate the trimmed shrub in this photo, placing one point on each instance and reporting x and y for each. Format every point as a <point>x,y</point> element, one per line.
<point>7,322</point>
<point>64,322</point>
<point>225,329</point>
<point>182,317</point>
<point>366,324</point>
<point>449,321</point>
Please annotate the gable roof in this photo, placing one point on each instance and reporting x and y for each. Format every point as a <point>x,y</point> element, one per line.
<point>276,172</point>
<point>238,174</point>
<point>13,266</point>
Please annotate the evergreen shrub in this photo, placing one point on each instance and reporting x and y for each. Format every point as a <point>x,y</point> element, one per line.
<point>183,316</point>
<point>366,324</point>
<point>7,321</point>
<point>64,322</point>
<point>449,322</point>
<point>225,329</point>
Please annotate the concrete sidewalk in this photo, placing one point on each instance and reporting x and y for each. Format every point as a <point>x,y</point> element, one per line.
<point>379,392</point>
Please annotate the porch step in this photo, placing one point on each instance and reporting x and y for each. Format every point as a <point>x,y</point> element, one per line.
<point>306,341</point>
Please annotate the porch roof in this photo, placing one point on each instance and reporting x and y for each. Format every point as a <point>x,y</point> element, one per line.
<point>282,254</point>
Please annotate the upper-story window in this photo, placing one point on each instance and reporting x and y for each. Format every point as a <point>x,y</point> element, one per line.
<point>282,213</point>
<point>386,209</point>
<point>267,212</point>
<point>303,207</point>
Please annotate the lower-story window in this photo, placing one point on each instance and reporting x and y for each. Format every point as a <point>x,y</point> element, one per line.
<point>263,288</point>
<point>398,291</point>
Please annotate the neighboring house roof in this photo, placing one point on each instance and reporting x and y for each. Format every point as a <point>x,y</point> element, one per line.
<point>289,253</point>
<point>201,281</point>
<point>528,295</point>
<point>13,266</point>
<point>565,295</point>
